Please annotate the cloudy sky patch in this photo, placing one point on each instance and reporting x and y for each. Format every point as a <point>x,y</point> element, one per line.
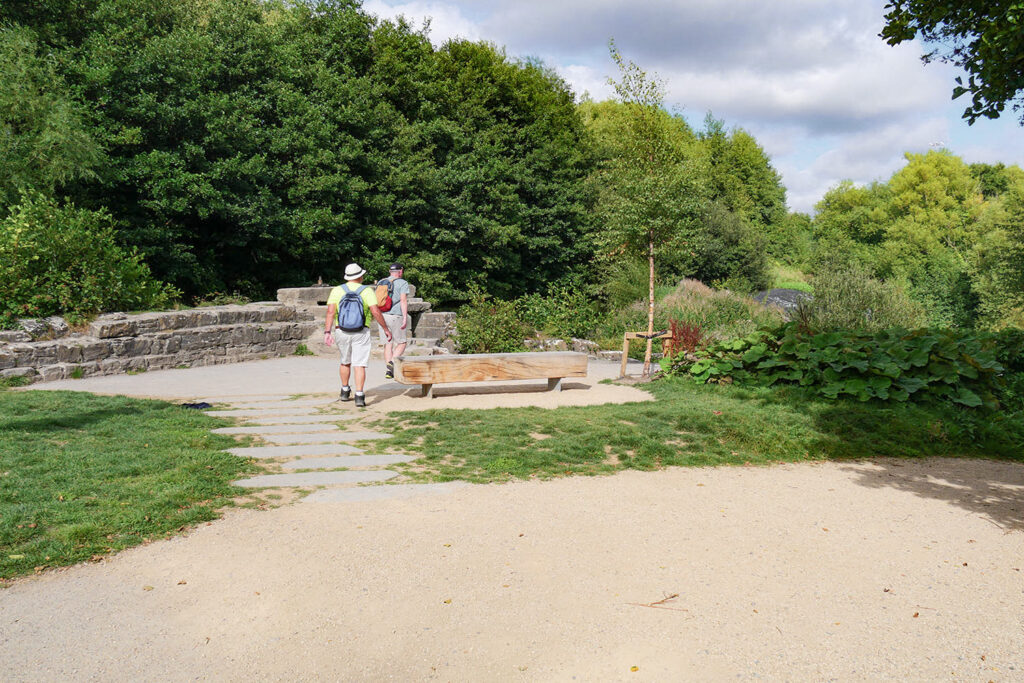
<point>811,79</point>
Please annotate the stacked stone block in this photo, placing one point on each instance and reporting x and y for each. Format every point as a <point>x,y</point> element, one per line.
<point>427,328</point>
<point>119,342</point>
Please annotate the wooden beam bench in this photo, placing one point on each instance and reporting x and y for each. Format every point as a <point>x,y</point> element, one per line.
<point>480,367</point>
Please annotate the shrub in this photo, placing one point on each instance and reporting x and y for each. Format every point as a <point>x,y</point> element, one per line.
<point>565,311</point>
<point>686,337</point>
<point>846,297</point>
<point>731,252</point>
<point>58,260</point>
<point>488,325</point>
<point>718,315</point>
<point>1008,346</point>
<point>895,365</point>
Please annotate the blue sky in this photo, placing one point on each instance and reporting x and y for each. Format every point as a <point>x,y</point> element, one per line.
<point>810,79</point>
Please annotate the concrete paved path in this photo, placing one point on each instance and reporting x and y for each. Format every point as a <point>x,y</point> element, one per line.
<point>290,405</point>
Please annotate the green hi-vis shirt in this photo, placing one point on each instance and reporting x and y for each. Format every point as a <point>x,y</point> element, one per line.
<point>367,295</point>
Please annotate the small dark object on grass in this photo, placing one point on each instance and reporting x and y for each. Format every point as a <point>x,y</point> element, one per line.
<point>202,405</point>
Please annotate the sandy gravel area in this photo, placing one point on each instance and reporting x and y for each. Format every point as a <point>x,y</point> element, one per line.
<point>866,571</point>
<point>863,571</point>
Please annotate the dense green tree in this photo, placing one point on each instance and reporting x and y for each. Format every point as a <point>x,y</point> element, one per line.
<point>743,180</point>
<point>252,145</point>
<point>994,179</point>
<point>508,206</point>
<point>996,260</point>
<point>63,260</point>
<point>932,228</point>
<point>985,38</point>
<point>45,140</point>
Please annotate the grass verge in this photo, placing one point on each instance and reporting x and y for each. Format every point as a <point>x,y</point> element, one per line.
<point>687,424</point>
<point>84,475</point>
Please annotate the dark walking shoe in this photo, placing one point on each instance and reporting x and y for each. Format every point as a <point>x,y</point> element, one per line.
<point>360,401</point>
<point>346,395</point>
<point>390,372</point>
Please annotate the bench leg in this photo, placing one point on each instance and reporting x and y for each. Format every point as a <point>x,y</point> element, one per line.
<point>426,388</point>
<point>554,384</point>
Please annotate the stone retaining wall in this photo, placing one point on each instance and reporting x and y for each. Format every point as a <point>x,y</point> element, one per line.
<point>120,342</point>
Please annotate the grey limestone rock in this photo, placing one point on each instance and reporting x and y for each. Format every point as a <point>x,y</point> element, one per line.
<point>786,299</point>
<point>8,336</point>
<point>585,346</point>
<point>35,327</point>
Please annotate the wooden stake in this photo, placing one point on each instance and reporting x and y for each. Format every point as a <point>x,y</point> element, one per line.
<point>650,305</point>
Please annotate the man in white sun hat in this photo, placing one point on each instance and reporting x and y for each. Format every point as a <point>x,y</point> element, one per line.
<point>349,308</point>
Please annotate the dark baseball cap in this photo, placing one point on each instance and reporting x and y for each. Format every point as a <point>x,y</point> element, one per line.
<point>395,266</point>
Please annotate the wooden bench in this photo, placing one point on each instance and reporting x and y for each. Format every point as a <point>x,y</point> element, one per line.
<point>480,367</point>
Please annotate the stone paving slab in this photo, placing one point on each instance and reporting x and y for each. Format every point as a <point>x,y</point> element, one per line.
<point>247,398</point>
<point>293,451</point>
<point>323,437</point>
<point>369,493</point>
<point>277,405</point>
<point>316,478</point>
<point>258,413</point>
<point>346,461</point>
<point>302,419</point>
<point>302,428</point>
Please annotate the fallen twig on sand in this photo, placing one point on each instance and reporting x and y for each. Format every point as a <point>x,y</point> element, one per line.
<point>660,604</point>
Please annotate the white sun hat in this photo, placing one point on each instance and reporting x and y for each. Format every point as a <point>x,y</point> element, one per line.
<point>353,271</point>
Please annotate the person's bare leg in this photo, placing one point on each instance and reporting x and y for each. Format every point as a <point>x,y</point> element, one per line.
<point>388,356</point>
<point>399,350</point>
<point>344,371</point>
<point>359,373</point>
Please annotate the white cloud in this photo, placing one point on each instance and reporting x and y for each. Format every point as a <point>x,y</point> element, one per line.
<point>446,20</point>
<point>863,158</point>
<point>586,80</point>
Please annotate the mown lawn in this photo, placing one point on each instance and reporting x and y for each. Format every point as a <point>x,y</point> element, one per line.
<point>688,424</point>
<point>84,475</point>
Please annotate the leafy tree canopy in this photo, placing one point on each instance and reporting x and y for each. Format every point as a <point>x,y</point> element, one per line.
<point>931,227</point>
<point>985,38</point>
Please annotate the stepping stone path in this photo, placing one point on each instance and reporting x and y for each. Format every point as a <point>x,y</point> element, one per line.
<point>314,443</point>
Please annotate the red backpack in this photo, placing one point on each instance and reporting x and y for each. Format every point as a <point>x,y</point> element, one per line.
<point>384,290</point>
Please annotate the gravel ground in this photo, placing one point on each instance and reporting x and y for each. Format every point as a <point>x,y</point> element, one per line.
<point>863,571</point>
<point>875,570</point>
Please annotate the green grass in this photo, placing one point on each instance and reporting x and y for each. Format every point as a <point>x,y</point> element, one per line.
<point>302,350</point>
<point>84,475</point>
<point>688,424</point>
<point>793,284</point>
<point>788,277</point>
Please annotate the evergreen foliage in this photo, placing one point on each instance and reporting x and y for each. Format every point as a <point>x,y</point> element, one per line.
<point>254,145</point>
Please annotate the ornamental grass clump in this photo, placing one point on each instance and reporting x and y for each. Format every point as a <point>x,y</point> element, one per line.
<point>720,314</point>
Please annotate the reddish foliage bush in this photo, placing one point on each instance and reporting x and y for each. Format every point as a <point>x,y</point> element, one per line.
<point>686,337</point>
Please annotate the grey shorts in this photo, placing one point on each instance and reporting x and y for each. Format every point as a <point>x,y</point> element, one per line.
<point>354,347</point>
<point>398,335</point>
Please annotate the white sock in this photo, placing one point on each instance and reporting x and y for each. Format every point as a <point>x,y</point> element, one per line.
<point>359,393</point>
<point>345,387</point>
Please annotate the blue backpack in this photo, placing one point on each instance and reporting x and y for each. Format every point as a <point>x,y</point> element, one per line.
<point>351,317</point>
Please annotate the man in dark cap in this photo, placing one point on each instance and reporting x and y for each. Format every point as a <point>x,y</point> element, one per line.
<point>397,319</point>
